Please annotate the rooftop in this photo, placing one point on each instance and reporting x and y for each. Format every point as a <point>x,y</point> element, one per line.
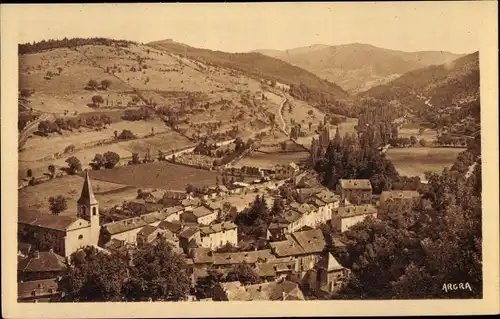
<point>216,228</point>
<point>249,257</point>
<point>201,211</point>
<point>87,196</point>
<point>285,290</point>
<point>49,221</point>
<point>147,230</point>
<point>351,211</point>
<point>46,261</point>
<point>299,243</point>
<point>327,196</point>
<point>44,287</point>
<point>188,232</point>
<point>356,184</point>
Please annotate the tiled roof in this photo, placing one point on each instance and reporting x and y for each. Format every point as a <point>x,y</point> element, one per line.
<point>201,211</point>
<point>213,205</point>
<point>290,216</point>
<point>147,230</point>
<point>386,195</point>
<point>46,261</point>
<point>217,228</point>
<point>351,211</point>
<point>114,244</point>
<point>249,257</point>
<point>355,184</point>
<point>190,202</point>
<point>327,196</point>
<point>174,226</point>
<point>188,232</point>
<point>329,263</point>
<point>134,222</point>
<point>173,210</point>
<point>298,243</point>
<point>266,291</point>
<point>311,241</point>
<point>49,221</point>
<point>42,288</point>
<point>302,208</point>
<point>265,270</point>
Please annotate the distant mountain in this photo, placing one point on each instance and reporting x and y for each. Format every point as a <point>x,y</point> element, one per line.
<point>357,67</point>
<point>442,94</point>
<point>257,65</point>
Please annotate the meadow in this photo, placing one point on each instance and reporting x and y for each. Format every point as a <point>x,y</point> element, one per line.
<point>416,161</point>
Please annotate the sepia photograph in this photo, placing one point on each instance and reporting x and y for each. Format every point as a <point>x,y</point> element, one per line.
<point>205,154</point>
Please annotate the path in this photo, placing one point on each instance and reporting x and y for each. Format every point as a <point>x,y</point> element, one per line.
<point>280,110</point>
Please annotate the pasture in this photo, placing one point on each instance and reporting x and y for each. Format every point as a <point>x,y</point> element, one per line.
<point>162,175</point>
<point>416,161</point>
<point>270,160</point>
<point>36,197</point>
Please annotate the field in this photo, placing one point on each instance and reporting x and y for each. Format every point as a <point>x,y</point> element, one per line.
<point>36,197</point>
<point>270,160</point>
<point>411,129</point>
<point>416,161</point>
<point>162,175</point>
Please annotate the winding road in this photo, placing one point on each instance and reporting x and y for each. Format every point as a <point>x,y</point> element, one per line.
<point>280,113</point>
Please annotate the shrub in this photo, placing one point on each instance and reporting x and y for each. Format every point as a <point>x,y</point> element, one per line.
<point>126,135</point>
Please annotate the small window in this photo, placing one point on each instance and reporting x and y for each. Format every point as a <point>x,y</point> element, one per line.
<point>94,211</point>
<point>80,237</point>
<point>33,292</point>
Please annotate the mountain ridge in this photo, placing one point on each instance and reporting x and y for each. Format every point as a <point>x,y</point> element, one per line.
<point>357,67</point>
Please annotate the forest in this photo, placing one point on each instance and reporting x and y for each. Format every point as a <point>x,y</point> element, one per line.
<point>27,48</point>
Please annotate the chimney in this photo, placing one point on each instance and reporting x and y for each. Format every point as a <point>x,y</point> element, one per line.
<point>36,254</point>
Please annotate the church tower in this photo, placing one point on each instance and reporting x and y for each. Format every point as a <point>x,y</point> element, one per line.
<point>88,208</point>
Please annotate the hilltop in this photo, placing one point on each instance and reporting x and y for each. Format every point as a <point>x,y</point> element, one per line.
<point>256,65</point>
<point>445,95</point>
<point>357,67</point>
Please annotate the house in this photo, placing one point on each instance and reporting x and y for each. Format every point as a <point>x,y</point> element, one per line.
<point>189,237</point>
<point>41,265</point>
<point>225,260</point>
<point>44,290</point>
<point>304,247</point>
<point>68,233</point>
<point>152,196</point>
<point>190,203</point>
<point>214,206</point>
<point>200,215</point>
<point>398,195</point>
<point>174,195</point>
<point>127,229</point>
<point>149,233</point>
<point>218,235</point>
<point>173,213</point>
<point>236,291</point>
<point>328,276</point>
<point>356,191</point>
<point>286,171</point>
<point>276,231</point>
<point>348,216</point>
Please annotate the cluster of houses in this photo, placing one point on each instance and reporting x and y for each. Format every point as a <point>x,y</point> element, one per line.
<point>295,258</point>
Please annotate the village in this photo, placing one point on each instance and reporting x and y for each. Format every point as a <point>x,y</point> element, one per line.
<point>293,255</point>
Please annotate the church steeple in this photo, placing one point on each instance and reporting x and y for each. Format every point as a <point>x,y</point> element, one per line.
<point>87,197</point>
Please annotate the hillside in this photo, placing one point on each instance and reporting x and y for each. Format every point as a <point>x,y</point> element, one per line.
<point>358,67</point>
<point>445,95</point>
<point>256,65</point>
<point>184,100</point>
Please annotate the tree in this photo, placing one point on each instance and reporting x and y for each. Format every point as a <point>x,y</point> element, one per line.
<point>95,276</point>
<point>97,100</point>
<point>126,135</point>
<point>111,159</point>
<point>413,140</point>
<point>46,242</point>
<point>74,165</point>
<point>97,162</point>
<point>52,170</point>
<point>158,273</point>
<point>244,274</point>
<point>105,84</point>
<point>92,84</point>
<point>310,126</point>
<point>59,69</point>
<point>116,134</point>
<point>58,204</point>
<point>423,142</point>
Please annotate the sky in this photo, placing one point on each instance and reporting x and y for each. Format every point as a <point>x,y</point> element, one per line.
<point>242,27</point>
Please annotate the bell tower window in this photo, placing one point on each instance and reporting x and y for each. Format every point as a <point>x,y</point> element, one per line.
<point>94,211</point>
